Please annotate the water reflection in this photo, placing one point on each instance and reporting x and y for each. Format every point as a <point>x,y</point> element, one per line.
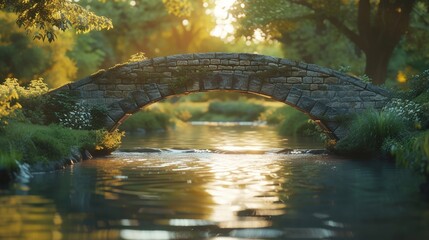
<point>203,195</point>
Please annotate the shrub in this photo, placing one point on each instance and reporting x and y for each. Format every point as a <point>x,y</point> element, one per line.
<point>78,117</point>
<point>413,152</point>
<point>105,142</point>
<point>409,111</point>
<point>419,83</point>
<point>368,132</point>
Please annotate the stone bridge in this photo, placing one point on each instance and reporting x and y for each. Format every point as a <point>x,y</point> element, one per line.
<point>323,94</point>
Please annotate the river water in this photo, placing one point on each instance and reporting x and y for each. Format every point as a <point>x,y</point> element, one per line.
<point>217,182</point>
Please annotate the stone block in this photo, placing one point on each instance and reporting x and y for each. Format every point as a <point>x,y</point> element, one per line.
<point>152,91</point>
<point>294,80</point>
<point>114,94</point>
<point>307,80</point>
<point>314,87</point>
<point>224,62</point>
<point>165,90</point>
<point>331,80</point>
<point>149,69</point>
<point>227,55</point>
<point>159,60</point>
<point>205,61</point>
<point>140,97</point>
<point>182,63</point>
<point>314,74</point>
<point>318,109</point>
<point>240,82</point>
<point>244,62</point>
<point>96,94</point>
<point>90,87</point>
<point>221,67</point>
<point>280,92</point>
<point>278,80</point>
<point>288,62</point>
<point>301,73</point>
<point>293,96</point>
<point>225,81</point>
<point>267,89</point>
<point>305,103</point>
<point>317,80</point>
<point>145,63</point>
<point>204,55</point>
<point>215,61</point>
<point>115,112</point>
<point>122,87</point>
<point>255,85</point>
<point>233,62</point>
<point>211,83</point>
<point>128,105</point>
<point>180,57</point>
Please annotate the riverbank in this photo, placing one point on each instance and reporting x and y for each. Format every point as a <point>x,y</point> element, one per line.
<point>48,148</point>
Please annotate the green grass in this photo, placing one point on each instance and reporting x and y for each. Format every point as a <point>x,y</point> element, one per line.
<point>36,143</point>
<point>147,120</point>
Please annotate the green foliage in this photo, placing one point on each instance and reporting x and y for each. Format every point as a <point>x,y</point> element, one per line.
<point>15,52</point>
<point>9,160</point>
<point>238,110</point>
<point>351,25</point>
<point>98,117</point>
<point>409,111</point>
<point>413,152</point>
<point>419,84</point>
<point>291,122</point>
<point>43,17</point>
<point>58,104</point>
<point>147,120</point>
<point>369,130</point>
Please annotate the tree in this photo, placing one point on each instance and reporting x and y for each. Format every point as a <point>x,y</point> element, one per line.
<point>375,27</point>
<point>43,17</point>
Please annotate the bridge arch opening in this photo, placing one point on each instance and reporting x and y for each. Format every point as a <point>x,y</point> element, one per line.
<point>219,120</point>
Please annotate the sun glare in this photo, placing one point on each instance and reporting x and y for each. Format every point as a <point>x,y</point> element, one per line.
<point>224,28</point>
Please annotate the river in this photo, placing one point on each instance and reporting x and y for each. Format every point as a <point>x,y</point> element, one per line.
<point>217,182</point>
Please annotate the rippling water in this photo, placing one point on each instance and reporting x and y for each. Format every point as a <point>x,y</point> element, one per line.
<point>206,195</point>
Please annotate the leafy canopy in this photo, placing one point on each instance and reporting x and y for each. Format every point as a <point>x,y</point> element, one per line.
<point>43,17</point>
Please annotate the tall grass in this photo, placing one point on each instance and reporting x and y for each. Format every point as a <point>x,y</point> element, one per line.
<point>369,130</point>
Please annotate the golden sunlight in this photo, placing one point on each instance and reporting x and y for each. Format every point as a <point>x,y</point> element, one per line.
<point>224,28</point>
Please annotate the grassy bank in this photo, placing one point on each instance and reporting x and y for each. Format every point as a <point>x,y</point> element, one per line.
<point>30,143</point>
<point>400,131</point>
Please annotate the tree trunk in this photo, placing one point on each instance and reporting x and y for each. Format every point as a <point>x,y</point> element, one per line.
<point>377,61</point>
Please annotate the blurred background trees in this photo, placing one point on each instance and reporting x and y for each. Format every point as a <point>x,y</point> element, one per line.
<point>386,40</point>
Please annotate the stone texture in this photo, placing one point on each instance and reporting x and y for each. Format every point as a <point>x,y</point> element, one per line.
<point>323,93</point>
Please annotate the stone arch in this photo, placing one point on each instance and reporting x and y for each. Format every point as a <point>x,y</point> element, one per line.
<point>323,94</point>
